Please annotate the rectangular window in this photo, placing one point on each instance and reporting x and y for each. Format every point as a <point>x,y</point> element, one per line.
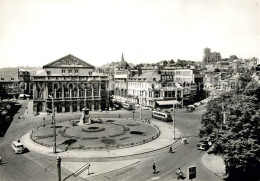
<point>76,71</point>
<point>70,71</point>
<point>48,72</point>
<point>90,73</point>
<point>157,94</point>
<point>63,71</point>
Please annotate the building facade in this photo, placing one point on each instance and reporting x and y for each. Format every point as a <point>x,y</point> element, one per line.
<point>71,84</point>
<point>122,74</point>
<point>210,57</point>
<point>14,83</point>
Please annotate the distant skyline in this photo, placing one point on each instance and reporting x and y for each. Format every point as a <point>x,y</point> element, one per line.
<point>36,32</point>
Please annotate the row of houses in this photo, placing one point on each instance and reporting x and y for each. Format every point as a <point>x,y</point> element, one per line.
<point>156,86</point>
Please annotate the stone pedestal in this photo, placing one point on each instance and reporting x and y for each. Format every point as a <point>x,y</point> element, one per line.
<point>85,118</point>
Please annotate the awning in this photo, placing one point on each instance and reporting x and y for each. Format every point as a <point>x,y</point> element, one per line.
<point>164,103</point>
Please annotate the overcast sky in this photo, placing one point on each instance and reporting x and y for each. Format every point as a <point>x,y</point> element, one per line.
<point>36,32</point>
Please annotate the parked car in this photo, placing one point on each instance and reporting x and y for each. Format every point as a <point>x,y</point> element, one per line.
<point>197,104</point>
<point>145,108</point>
<point>18,147</point>
<point>190,108</point>
<point>202,102</point>
<point>203,145</point>
<point>137,105</point>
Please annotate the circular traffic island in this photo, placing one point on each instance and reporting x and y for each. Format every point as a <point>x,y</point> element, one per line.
<point>105,134</point>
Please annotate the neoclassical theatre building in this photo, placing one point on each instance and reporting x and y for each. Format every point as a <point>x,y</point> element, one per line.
<point>72,84</point>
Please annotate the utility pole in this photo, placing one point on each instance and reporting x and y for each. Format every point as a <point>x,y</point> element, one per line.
<point>54,124</point>
<point>224,114</point>
<point>141,101</point>
<point>59,168</point>
<point>173,120</point>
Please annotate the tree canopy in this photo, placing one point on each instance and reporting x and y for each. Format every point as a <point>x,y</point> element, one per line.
<point>233,121</point>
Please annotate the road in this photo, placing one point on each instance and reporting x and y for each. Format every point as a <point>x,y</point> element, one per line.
<point>28,166</point>
<point>167,163</point>
<point>36,167</point>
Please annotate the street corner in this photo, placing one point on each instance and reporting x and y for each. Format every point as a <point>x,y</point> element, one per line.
<point>97,168</point>
<point>214,164</point>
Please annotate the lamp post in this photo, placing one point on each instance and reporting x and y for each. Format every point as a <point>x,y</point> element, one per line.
<point>54,124</point>
<point>141,101</point>
<point>173,120</point>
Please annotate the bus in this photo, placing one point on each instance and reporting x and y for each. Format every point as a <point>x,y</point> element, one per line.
<point>128,106</point>
<point>162,115</point>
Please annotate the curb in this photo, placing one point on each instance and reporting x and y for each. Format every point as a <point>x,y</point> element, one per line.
<point>113,170</point>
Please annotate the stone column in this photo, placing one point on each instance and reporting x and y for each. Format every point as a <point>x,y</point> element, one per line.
<point>71,108</point>
<point>78,106</point>
<point>92,91</point>
<point>85,97</point>
<point>99,105</point>
<point>70,93</point>
<point>62,91</point>
<point>44,105</point>
<point>55,93</point>
<point>35,92</point>
<point>46,90</point>
<point>63,106</point>
<point>99,89</point>
<point>92,105</point>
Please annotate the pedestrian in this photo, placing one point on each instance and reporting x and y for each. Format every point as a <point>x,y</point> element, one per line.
<point>185,141</point>
<point>179,174</point>
<point>119,115</point>
<point>44,122</point>
<point>170,151</point>
<point>0,160</point>
<point>154,168</point>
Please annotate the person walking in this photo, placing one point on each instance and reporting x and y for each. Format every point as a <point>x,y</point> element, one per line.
<point>154,168</point>
<point>43,122</point>
<point>170,151</point>
<point>0,160</point>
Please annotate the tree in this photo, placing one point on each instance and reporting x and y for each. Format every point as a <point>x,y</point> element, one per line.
<point>3,93</point>
<point>165,63</point>
<point>172,61</point>
<point>237,138</point>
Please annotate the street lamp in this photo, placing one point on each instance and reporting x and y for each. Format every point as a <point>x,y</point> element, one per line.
<point>173,120</point>
<point>54,124</point>
<point>141,101</point>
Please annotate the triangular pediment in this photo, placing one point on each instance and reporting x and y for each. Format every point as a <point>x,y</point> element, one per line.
<point>68,61</point>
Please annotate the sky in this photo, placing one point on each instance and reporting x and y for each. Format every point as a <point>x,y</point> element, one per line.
<point>37,32</point>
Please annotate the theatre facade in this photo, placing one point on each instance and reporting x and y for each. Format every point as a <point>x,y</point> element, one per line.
<point>71,84</point>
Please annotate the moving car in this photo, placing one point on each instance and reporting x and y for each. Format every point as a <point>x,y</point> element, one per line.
<point>18,147</point>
